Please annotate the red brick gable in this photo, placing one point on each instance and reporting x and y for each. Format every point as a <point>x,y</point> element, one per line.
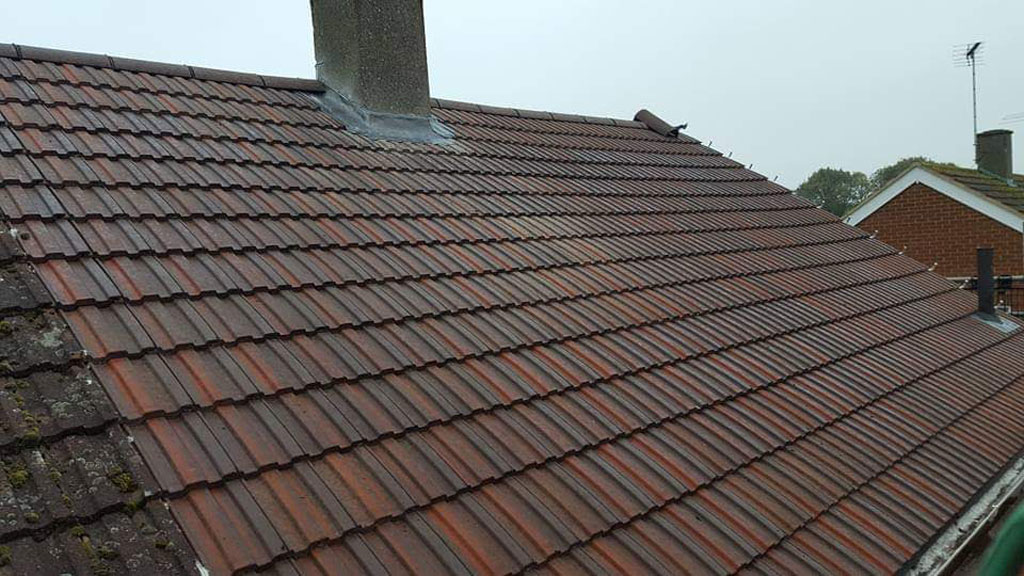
<point>936,228</point>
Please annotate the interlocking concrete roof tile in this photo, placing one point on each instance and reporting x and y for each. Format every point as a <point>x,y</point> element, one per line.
<point>557,344</point>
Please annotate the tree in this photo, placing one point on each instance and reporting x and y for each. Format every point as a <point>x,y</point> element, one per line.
<point>834,189</point>
<point>883,175</point>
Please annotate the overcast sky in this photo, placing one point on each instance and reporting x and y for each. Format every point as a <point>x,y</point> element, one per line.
<point>789,86</point>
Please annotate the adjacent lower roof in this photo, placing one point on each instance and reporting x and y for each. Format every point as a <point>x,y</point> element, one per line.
<point>998,199</point>
<point>1008,192</point>
<point>559,344</point>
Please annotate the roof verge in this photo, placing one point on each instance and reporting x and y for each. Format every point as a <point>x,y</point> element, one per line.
<point>70,474</point>
<point>956,539</point>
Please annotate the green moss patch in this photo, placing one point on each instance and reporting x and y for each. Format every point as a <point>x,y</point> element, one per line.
<point>123,480</point>
<point>17,474</point>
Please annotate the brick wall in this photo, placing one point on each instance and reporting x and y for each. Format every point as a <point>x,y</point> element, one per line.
<point>936,228</point>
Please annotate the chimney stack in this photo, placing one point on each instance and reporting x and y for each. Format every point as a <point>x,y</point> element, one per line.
<point>986,284</point>
<point>995,153</point>
<point>372,57</point>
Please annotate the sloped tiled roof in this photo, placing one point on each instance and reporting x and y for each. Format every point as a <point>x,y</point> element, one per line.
<point>995,188</point>
<point>555,345</point>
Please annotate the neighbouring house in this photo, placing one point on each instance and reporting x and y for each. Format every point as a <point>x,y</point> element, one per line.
<point>941,213</point>
<point>336,326</point>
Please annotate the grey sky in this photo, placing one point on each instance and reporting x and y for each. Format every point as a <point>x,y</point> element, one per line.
<point>786,85</point>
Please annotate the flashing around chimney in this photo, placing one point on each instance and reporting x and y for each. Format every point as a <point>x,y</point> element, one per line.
<point>372,57</point>
<point>383,125</point>
<point>986,285</point>
<point>657,124</point>
<point>986,294</point>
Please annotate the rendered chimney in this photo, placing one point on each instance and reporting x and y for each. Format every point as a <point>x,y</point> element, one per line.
<point>995,153</point>
<point>372,56</point>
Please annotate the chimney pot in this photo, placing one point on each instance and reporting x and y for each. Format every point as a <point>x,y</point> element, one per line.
<point>995,153</point>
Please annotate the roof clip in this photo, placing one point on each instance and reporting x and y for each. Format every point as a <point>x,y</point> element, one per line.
<point>657,124</point>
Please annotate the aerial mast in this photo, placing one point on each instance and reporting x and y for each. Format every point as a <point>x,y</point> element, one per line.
<point>968,55</point>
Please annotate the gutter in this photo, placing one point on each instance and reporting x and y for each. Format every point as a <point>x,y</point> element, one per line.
<point>943,554</point>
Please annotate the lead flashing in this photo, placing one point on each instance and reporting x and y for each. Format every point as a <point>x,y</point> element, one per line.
<point>382,125</point>
<point>993,320</point>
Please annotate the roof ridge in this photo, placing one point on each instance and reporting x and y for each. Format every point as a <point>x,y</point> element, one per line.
<point>532,114</point>
<point>951,166</point>
<point>953,170</point>
<point>96,60</point>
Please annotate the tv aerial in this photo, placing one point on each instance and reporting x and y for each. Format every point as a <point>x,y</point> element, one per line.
<point>970,55</point>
